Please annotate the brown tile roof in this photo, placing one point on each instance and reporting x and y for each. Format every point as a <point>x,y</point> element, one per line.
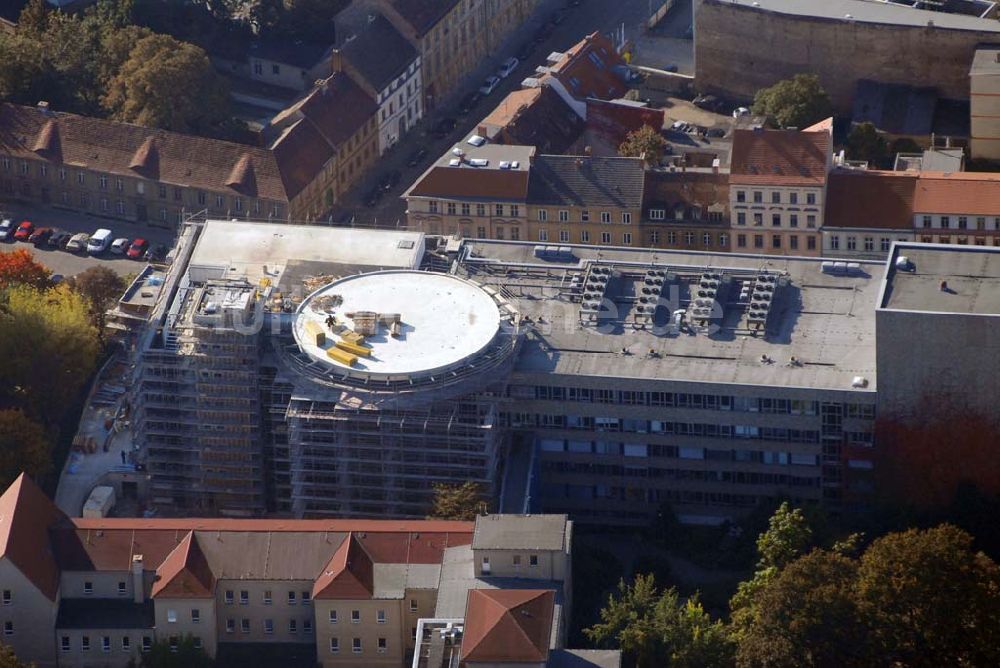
<point>870,199</point>
<point>971,193</point>
<point>422,15</point>
<point>670,190</point>
<point>534,117</point>
<point>462,183</point>
<point>185,572</point>
<point>567,180</point>
<point>185,524</point>
<point>126,149</point>
<point>108,549</point>
<point>779,157</point>
<point>508,625</point>
<point>25,515</point>
<point>592,68</point>
<point>349,575</point>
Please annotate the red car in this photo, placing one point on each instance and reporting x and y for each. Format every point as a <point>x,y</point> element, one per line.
<point>24,230</point>
<point>137,249</point>
<point>40,235</point>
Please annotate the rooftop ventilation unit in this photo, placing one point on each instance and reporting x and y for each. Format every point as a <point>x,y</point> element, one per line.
<point>479,162</point>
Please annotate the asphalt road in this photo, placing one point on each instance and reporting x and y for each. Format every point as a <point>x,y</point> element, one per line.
<point>69,264</point>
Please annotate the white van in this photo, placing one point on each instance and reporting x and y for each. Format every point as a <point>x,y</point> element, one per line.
<point>99,241</point>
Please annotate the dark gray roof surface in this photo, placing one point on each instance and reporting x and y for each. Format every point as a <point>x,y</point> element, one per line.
<point>580,181</point>
<point>104,613</point>
<point>895,108</point>
<point>298,54</point>
<point>379,53</point>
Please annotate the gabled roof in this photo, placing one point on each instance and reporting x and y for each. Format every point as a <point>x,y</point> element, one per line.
<point>780,157</point>
<point>509,625</point>
<point>349,575</point>
<point>970,193</point>
<point>243,178</point>
<point>25,517</point>
<point>421,15</point>
<point>870,199</point>
<point>592,68</point>
<point>536,117</point>
<point>379,53</point>
<point>185,572</point>
<point>125,149</point>
<point>581,181</point>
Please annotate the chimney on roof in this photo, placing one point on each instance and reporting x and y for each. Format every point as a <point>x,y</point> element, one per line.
<point>481,130</point>
<point>43,106</point>
<point>138,592</point>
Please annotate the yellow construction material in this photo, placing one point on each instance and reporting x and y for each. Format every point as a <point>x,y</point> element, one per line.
<point>314,331</point>
<point>265,282</point>
<point>342,356</point>
<point>354,348</point>
<point>353,337</point>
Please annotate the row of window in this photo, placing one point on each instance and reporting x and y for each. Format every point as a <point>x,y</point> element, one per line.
<point>961,222</point>
<point>266,597</point>
<point>380,616</point>
<point>268,626</point>
<point>681,475</point>
<point>66,643</point>
<point>868,243</point>
<point>960,240</point>
<point>776,219</point>
<point>514,210</point>
<point>382,645</point>
<point>652,450</point>
<point>758,197</point>
<point>543,235</point>
<point>680,212</point>
<point>777,242</point>
<point>689,238</point>
<point>630,426</point>
<point>562,215</point>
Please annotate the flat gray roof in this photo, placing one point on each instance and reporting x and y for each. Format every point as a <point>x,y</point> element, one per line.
<point>972,275</point>
<point>986,61</point>
<point>871,11</point>
<point>584,658</point>
<point>520,532</point>
<point>826,322</point>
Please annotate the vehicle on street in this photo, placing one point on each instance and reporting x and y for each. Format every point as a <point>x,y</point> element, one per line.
<point>468,103</point>
<point>24,230</point>
<point>156,254</point>
<point>416,157</point>
<point>78,242</point>
<point>525,51</point>
<point>558,17</point>
<point>119,246</point>
<point>40,236</point>
<point>739,112</point>
<point>372,196</point>
<point>489,85</point>
<point>138,248</point>
<point>99,241</point>
<point>388,180</point>
<point>59,238</point>
<point>443,127</point>
<point>672,68</point>
<point>6,229</point>
<point>543,33</point>
<point>507,67</point>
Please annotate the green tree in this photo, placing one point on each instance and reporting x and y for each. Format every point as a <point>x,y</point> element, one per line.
<point>34,18</point>
<point>186,655</point>
<point>930,599</point>
<point>24,446</point>
<point>645,143</point>
<point>48,347</point>
<point>457,502</point>
<point>806,616</point>
<point>865,142</point>
<point>9,660</point>
<point>796,102</point>
<point>655,628</point>
<point>102,288</point>
<point>170,85</point>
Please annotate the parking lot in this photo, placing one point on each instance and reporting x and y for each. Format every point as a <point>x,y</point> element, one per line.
<point>68,264</point>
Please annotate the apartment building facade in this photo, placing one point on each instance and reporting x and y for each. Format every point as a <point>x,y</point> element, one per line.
<point>686,209</point>
<point>866,211</point>
<point>78,592</point>
<point>777,188</point>
<point>957,208</point>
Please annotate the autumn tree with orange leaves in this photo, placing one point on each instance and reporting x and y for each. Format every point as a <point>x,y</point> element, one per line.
<point>19,267</point>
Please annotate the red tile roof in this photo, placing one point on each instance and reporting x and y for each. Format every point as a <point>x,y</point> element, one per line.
<point>779,157</point>
<point>867,199</point>
<point>185,572</point>
<point>349,575</point>
<point>126,149</point>
<point>969,193</point>
<point>592,68</point>
<point>25,516</point>
<point>508,625</point>
<point>471,183</point>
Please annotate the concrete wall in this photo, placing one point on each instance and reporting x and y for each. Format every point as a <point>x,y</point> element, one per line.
<point>517,564</point>
<point>985,116</point>
<point>394,630</point>
<point>739,50</point>
<point>32,614</point>
<point>118,655</point>
<point>184,625</point>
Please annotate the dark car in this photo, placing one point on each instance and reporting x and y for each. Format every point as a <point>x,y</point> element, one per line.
<point>558,17</point>
<point>416,157</point>
<point>156,254</point>
<point>468,103</point>
<point>443,127</point>
<point>40,236</point>
<point>543,33</point>
<point>525,53</point>
<point>372,197</point>
<point>389,180</point>
<point>58,238</point>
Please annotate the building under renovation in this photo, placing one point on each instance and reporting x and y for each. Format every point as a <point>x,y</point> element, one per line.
<point>317,371</point>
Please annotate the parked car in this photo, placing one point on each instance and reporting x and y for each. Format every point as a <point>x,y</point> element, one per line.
<point>389,180</point>
<point>543,33</point>
<point>24,230</point>
<point>525,51</point>
<point>416,157</point>
<point>156,254</point>
<point>138,248</point>
<point>6,229</point>
<point>739,112</point>
<point>119,246</point>
<point>558,17</point>
<point>372,197</point>
<point>443,127</point>
<point>40,236</point>
<point>99,241</point>
<point>507,67</point>
<point>489,85</point>
<point>59,238</point>
<point>78,242</point>
<point>468,103</point>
